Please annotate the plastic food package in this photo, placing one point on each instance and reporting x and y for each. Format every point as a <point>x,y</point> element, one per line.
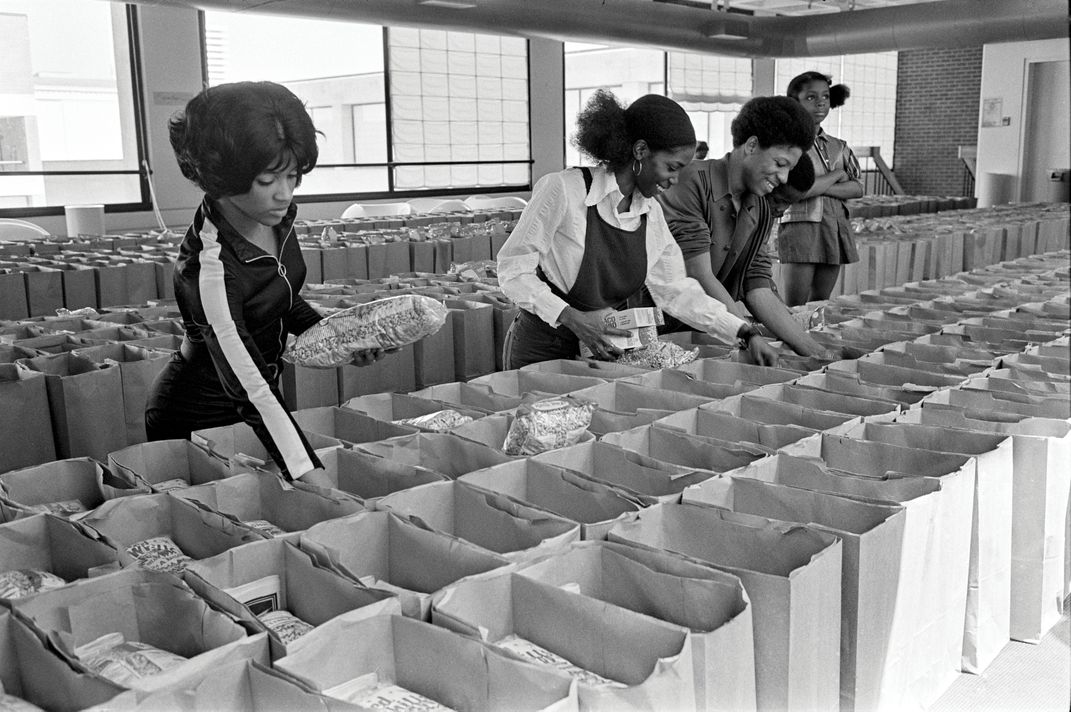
<point>123,662</point>
<point>368,691</point>
<point>439,421</point>
<point>659,354</point>
<point>547,424</point>
<point>383,324</point>
<point>20,583</point>
<point>63,508</point>
<point>264,527</point>
<point>172,484</point>
<point>285,625</point>
<point>530,651</point>
<point>159,553</point>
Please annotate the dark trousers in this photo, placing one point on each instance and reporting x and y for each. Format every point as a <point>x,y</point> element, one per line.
<point>187,396</point>
<point>531,340</point>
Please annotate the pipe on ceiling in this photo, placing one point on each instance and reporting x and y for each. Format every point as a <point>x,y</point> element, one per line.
<point>944,24</point>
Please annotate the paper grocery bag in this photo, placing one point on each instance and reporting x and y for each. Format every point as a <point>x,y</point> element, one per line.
<point>518,382</point>
<point>606,370</point>
<point>987,623</point>
<point>681,382</point>
<point>767,411</point>
<point>168,464</point>
<point>393,372</point>
<point>935,651</point>
<point>487,519</point>
<point>492,431</point>
<point>649,659</point>
<point>260,501</point>
<point>627,405</point>
<point>239,446</point>
<point>304,387</point>
<point>871,535</point>
<point>144,606</point>
<point>477,396</point>
<point>836,402</point>
<point>393,407</point>
<point>444,453</point>
<point>83,399</point>
<point>138,368</point>
<point>450,670</point>
<point>504,312</point>
<point>396,556</point>
<point>1040,491</point>
<point>13,303</point>
<point>679,448</point>
<point>725,426</point>
<point>474,353</point>
<point>65,487</point>
<point>239,582</point>
<point>27,439</point>
<point>65,549</point>
<point>852,384</point>
<point>594,505</point>
<point>368,477</point>
<point>712,604</point>
<point>636,474</point>
<point>792,575</point>
<point>347,425</point>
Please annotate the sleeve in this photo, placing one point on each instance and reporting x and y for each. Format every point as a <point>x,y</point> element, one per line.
<point>678,294</point>
<point>759,273</point>
<point>685,207</point>
<point>301,317</point>
<point>851,164</point>
<point>529,241</point>
<point>246,377</point>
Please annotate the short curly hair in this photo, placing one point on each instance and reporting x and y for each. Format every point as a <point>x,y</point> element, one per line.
<point>231,133</point>
<point>774,121</point>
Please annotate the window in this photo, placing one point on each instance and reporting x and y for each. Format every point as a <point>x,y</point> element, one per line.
<point>449,111</point>
<point>710,88</point>
<point>69,121</point>
<point>869,116</point>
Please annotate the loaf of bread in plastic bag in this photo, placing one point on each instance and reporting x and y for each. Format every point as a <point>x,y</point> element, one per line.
<point>383,324</point>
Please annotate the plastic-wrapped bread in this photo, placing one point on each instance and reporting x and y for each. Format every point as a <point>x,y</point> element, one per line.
<point>547,424</point>
<point>126,661</point>
<point>383,324</point>
<point>285,625</point>
<point>438,422</point>
<point>20,583</point>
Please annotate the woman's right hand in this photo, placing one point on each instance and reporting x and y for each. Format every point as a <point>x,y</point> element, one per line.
<point>760,352</point>
<point>592,331</point>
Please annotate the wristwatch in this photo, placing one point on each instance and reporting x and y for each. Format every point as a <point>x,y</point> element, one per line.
<point>744,335</point>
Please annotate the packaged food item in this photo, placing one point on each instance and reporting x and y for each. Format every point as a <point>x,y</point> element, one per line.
<point>63,508</point>
<point>10,703</point>
<point>125,661</point>
<point>285,625</point>
<point>547,424</point>
<point>19,583</point>
<point>383,324</point>
<point>159,553</point>
<point>659,354</point>
<point>265,527</point>
<point>530,651</point>
<point>368,691</point>
<point>439,421</point>
<point>172,484</point>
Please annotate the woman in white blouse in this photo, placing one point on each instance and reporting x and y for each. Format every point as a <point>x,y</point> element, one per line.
<point>591,239</point>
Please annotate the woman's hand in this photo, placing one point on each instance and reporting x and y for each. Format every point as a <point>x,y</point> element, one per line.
<point>592,331</point>
<point>369,356</point>
<point>760,351</point>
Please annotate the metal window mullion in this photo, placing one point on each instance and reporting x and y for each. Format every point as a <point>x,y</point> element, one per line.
<point>388,114</point>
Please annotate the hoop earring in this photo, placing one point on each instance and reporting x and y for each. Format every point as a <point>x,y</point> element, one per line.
<point>637,168</point>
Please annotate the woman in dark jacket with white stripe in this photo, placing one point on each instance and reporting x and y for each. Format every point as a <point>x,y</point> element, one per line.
<point>239,270</point>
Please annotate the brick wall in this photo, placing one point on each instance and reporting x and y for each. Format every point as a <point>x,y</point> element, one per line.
<point>937,100</point>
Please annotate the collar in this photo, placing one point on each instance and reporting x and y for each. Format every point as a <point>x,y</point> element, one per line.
<point>604,185</point>
<point>718,170</point>
<point>245,250</point>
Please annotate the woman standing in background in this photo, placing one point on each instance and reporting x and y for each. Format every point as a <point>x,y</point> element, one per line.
<point>815,238</point>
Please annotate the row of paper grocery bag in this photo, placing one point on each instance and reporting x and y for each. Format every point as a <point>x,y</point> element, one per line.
<point>806,544</point>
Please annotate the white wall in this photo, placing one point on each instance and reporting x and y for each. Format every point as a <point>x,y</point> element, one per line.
<point>1005,69</point>
<point>171,70</point>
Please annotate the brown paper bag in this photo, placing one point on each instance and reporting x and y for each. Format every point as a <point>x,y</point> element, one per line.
<point>368,477</point>
<point>443,453</point>
<point>396,556</point>
<point>624,405</point>
<point>487,519</point>
<point>474,353</point>
<point>169,463</point>
<point>60,481</point>
<point>27,439</point>
<point>349,426</point>
<point>710,603</point>
<point>595,506</point>
<point>262,497</point>
<point>148,607</point>
<point>312,593</point>
<point>138,368</point>
<point>606,370</point>
<point>792,575</point>
<point>835,402</point>
<point>673,446</point>
<point>726,426</point>
<point>393,372</point>
<point>768,411</point>
<point>450,670</point>
<point>13,302</point>
<point>309,387</point>
<point>67,549</point>
<point>651,660</point>
<point>239,446</point>
<point>399,406</point>
<point>83,399</point>
<point>871,535</point>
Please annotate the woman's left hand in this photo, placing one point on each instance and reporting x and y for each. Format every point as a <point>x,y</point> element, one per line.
<point>369,356</point>
<point>761,352</point>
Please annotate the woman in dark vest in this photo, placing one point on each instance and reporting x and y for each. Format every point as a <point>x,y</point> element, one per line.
<point>592,238</point>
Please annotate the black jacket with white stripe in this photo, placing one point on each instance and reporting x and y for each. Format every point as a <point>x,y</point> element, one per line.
<point>239,303</point>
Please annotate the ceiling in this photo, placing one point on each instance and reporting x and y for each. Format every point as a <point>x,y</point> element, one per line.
<point>745,28</point>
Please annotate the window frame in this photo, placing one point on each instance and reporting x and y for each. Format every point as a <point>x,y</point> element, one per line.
<point>140,138</point>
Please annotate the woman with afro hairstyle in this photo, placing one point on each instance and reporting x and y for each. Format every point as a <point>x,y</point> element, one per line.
<point>591,239</point>
<point>815,238</point>
<point>239,271</point>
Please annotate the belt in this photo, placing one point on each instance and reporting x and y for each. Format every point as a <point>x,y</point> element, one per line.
<point>189,351</point>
